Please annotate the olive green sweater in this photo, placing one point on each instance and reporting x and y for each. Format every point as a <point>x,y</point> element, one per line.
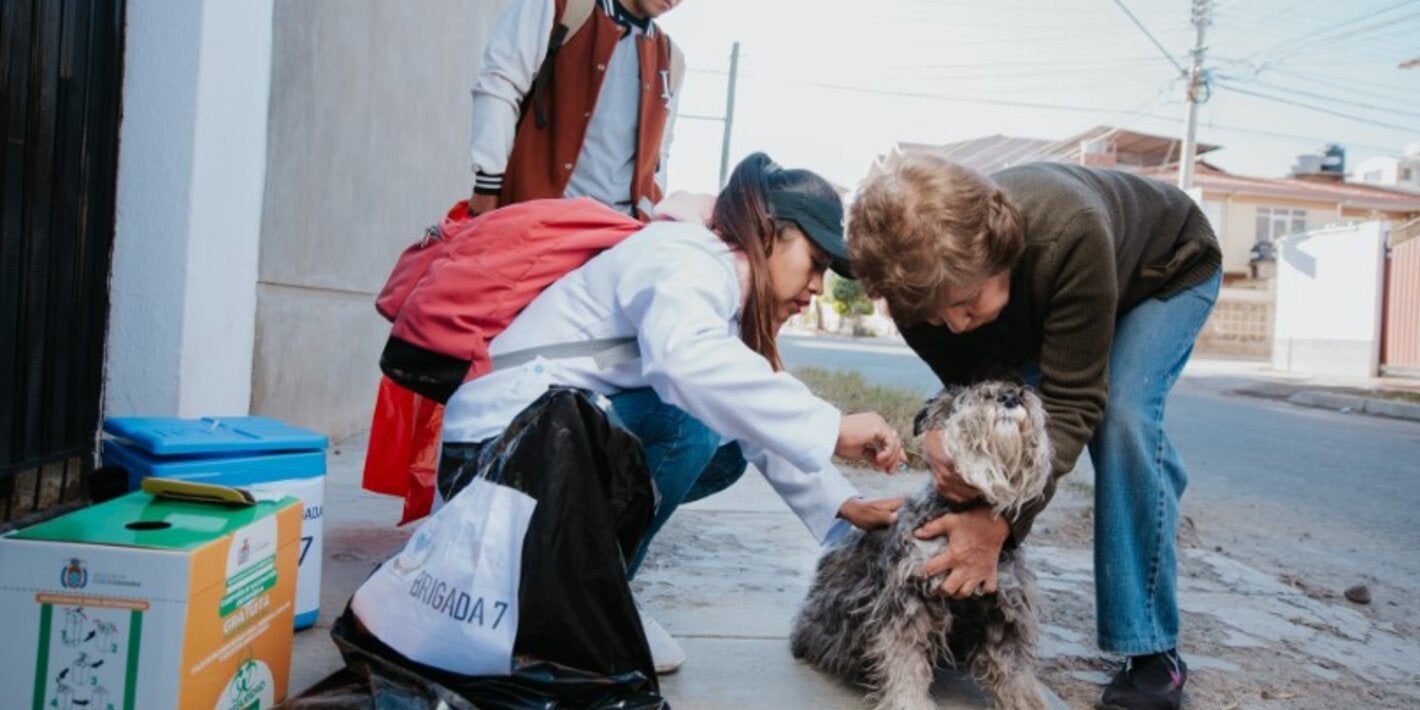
<point>1098,242</point>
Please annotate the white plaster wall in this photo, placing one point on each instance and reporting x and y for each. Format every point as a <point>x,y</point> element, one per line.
<point>1329,290</point>
<point>229,179</point>
<point>190,184</point>
<point>368,143</point>
<point>151,212</point>
<point>1387,167</point>
<point>1217,213</point>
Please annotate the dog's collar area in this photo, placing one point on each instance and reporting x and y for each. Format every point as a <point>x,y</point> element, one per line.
<point>962,506</point>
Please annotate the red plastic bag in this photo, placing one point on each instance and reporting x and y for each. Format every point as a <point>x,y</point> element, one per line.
<point>403,455</point>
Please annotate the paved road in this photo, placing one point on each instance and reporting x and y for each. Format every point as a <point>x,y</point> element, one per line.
<point>1326,497</point>
<point>880,362</point>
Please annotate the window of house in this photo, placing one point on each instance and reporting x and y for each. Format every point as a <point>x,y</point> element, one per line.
<point>1406,174</point>
<point>1276,222</point>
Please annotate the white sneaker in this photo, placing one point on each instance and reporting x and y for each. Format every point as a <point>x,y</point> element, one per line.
<point>666,654</point>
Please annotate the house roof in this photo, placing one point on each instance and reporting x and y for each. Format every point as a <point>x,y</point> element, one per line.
<point>988,154</point>
<point>1346,194</point>
<point>1127,141</point>
<point>996,152</point>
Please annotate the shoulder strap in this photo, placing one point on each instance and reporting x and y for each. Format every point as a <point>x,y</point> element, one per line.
<point>605,352</point>
<point>677,69</point>
<point>574,17</point>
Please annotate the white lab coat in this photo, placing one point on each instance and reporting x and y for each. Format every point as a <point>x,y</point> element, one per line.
<point>673,286</point>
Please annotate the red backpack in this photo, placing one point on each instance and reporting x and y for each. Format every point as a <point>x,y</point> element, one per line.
<point>448,296</point>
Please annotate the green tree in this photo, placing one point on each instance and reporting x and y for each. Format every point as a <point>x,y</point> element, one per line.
<point>848,297</point>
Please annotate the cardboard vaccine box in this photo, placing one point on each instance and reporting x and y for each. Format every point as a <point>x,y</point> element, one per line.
<point>268,457</point>
<point>142,603</point>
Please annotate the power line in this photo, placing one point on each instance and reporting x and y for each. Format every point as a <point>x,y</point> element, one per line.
<point>1375,62</point>
<point>1326,33</point>
<point>1321,109</point>
<point>1130,118</point>
<point>961,99</point>
<point>1384,28</point>
<point>976,4</point>
<point>1065,69</point>
<point>1265,21</point>
<point>1002,87</point>
<point>1400,97</point>
<point>1099,61</point>
<point>1006,69</point>
<point>1311,95</point>
<point>1150,35</point>
<point>1313,140</point>
<point>1314,32</point>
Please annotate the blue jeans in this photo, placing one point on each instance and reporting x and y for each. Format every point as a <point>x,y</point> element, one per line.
<point>1139,476</point>
<point>684,456</point>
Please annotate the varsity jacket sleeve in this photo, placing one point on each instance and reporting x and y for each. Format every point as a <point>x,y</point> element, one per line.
<point>684,305</point>
<point>666,142</point>
<point>1076,339</point>
<point>514,54</point>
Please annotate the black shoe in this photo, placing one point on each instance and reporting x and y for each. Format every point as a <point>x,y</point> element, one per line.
<point>1153,682</point>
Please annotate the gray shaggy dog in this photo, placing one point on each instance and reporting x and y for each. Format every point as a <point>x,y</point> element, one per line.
<point>869,618</point>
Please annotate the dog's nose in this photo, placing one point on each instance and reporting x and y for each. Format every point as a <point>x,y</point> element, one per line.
<point>1009,400</point>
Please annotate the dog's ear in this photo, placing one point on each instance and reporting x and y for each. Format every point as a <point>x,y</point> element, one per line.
<point>935,410</point>
<point>919,422</point>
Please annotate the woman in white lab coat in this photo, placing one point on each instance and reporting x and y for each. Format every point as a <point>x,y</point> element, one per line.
<point>701,384</point>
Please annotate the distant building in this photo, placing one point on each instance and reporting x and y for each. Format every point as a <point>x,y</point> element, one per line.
<point>1398,172</point>
<point>1246,211</point>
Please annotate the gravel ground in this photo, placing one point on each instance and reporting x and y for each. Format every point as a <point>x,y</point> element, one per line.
<point>1254,637</point>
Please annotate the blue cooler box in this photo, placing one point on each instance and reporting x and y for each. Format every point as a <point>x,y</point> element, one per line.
<point>267,457</point>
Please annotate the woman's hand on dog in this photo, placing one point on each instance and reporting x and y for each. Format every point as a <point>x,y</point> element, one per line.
<point>870,514</point>
<point>868,437</point>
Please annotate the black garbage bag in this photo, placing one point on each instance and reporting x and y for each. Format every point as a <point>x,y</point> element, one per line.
<point>579,641</point>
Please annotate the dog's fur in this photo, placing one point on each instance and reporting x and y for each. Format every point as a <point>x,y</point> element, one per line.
<point>870,618</point>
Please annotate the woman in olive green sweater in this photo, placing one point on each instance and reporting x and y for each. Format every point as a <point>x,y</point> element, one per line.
<point>1092,285</point>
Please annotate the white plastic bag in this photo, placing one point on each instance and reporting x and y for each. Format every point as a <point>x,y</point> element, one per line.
<point>449,599</point>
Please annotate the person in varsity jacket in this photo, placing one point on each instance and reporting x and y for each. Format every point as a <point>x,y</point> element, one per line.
<point>575,98</point>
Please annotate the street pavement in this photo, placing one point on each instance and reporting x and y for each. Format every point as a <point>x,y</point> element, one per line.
<point>727,573</point>
<point>889,362</point>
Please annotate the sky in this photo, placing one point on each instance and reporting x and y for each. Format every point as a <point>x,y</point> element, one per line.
<point>829,85</point>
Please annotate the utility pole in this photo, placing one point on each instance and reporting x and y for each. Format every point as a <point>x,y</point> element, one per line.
<point>727,119</point>
<point>729,115</point>
<point>1196,88</point>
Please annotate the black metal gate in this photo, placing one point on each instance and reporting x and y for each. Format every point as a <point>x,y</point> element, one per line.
<point>60,69</point>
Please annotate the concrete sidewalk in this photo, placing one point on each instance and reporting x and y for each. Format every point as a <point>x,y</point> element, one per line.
<point>725,578</point>
<point>727,574</point>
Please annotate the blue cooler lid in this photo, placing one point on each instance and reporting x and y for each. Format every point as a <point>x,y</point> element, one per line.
<point>225,469</point>
<point>168,436</point>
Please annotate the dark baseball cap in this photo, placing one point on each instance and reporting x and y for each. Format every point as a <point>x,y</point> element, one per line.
<point>819,218</point>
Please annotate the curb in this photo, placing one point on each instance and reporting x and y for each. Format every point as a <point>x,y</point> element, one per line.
<point>1357,404</point>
